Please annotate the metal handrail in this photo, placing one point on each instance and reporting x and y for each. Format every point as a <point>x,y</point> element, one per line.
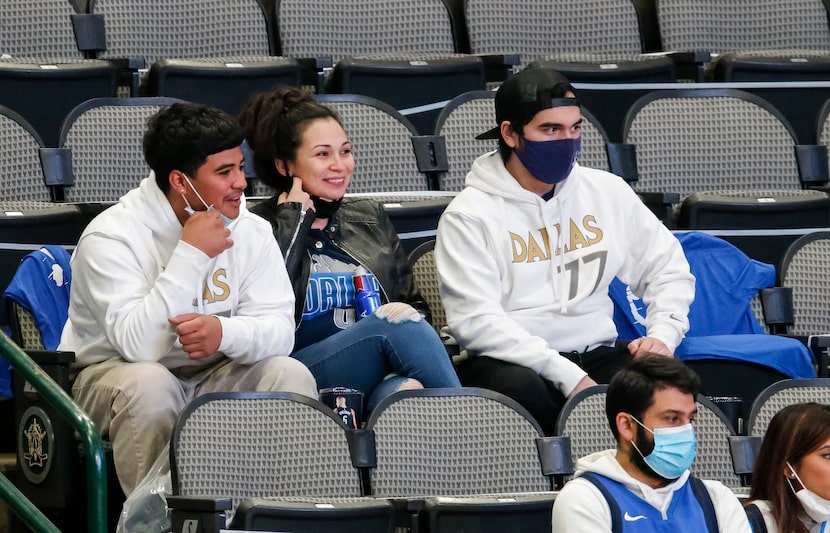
<point>25,509</point>
<point>91,443</point>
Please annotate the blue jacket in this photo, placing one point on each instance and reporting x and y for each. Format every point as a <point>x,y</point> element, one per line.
<point>721,322</point>
<point>41,285</point>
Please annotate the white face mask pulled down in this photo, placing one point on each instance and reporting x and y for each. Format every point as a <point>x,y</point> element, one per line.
<point>814,505</point>
<point>189,209</point>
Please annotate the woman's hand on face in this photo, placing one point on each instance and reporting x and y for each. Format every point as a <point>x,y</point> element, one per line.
<point>297,195</point>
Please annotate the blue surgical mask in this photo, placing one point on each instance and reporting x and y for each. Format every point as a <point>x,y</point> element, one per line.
<point>549,161</point>
<point>674,450</point>
<point>189,209</point>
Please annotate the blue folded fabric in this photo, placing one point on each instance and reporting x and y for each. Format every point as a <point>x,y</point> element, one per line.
<point>41,284</point>
<point>786,355</point>
<point>721,322</point>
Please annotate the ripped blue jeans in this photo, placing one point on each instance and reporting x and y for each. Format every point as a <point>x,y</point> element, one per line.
<point>361,356</point>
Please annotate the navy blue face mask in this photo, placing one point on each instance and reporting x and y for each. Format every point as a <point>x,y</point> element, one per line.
<point>549,161</point>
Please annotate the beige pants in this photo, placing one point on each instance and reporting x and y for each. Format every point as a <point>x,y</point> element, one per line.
<point>136,405</point>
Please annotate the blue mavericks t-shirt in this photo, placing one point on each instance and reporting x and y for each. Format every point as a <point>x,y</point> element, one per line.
<point>329,300</point>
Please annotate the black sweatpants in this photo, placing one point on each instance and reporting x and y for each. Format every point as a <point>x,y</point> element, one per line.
<point>535,393</point>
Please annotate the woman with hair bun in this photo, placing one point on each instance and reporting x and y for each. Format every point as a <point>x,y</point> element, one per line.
<point>301,149</point>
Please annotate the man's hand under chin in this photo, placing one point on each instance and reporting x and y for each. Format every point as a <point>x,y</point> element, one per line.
<point>206,231</point>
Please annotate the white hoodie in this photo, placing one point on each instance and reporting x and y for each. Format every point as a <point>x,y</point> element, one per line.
<point>580,506</point>
<point>131,272</point>
<point>510,294</point>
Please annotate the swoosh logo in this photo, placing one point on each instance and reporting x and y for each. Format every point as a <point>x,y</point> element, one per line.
<point>630,518</point>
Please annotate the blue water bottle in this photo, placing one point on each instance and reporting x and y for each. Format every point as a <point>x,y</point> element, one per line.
<point>366,299</point>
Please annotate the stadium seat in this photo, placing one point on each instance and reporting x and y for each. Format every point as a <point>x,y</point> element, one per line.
<point>224,83</point>
<point>358,515</point>
<point>44,90</point>
<point>488,513</point>
<point>419,434</point>
<point>749,41</point>
<point>804,272</point>
<point>422,262</point>
<point>822,131</point>
<point>587,41</point>
<point>781,394</point>
<point>25,226</point>
<point>51,473</point>
<point>711,141</point>
<point>767,222</point>
<point>103,139</point>
<point>464,117</point>
<point>472,113</point>
<point>719,139</point>
<point>584,422</point>
<point>414,214</point>
<point>403,52</point>
<point>45,29</point>
<point>716,452</point>
<point>20,164</point>
<point>277,446</point>
<point>218,55</point>
<point>724,336</point>
<point>462,442</point>
<point>45,70</point>
<point>390,155</point>
<point>301,448</point>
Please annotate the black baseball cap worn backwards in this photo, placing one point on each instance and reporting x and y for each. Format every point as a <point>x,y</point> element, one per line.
<point>525,94</point>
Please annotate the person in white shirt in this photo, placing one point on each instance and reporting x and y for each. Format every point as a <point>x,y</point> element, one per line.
<point>791,478</point>
<point>178,291</point>
<point>526,252</point>
<point>645,484</point>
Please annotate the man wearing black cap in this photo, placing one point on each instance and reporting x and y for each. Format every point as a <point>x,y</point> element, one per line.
<point>525,255</point>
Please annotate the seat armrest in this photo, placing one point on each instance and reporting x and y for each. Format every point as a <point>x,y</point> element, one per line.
<point>55,364</point>
<point>51,357</point>
<point>57,171</point>
<point>129,72</point>
<point>819,345</point>
<point>622,161</point>
<point>407,511</point>
<point>818,341</point>
<point>498,67</point>
<point>90,33</point>
<point>812,164</point>
<point>362,448</point>
<point>195,513</point>
<point>692,64</point>
<point>661,204</point>
<point>777,305</point>
<point>555,457</point>
<point>744,450</point>
<point>431,157</point>
<point>314,70</point>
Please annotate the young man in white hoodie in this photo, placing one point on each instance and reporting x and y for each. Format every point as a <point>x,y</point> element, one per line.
<point>177,291</point>
<point>645,484</point>
<point>526,252</point>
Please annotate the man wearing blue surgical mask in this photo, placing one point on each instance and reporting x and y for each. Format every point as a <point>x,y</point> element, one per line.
<point>526,252</point>
<point>165,306</point>
<point>644,484</point>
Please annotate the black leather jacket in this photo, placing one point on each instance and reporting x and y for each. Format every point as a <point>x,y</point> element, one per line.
<point>361,228</point>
